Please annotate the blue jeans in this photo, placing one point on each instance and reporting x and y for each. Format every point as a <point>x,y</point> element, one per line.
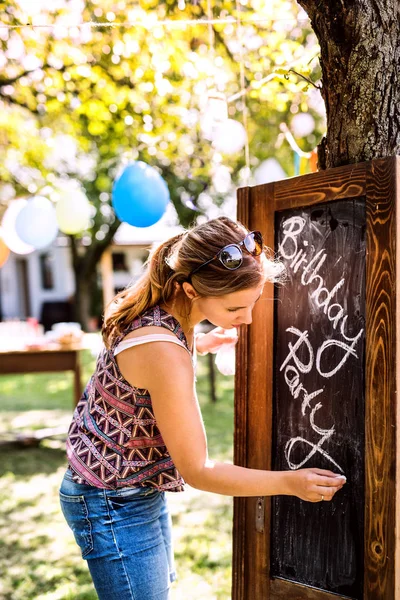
<point>125,536</point>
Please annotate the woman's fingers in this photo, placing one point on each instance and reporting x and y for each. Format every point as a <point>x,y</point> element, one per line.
<point>326,492</point>
<point>331,481</point>
<point>327,473</point>
<point>218,338</point>
<point>225,334</point>
<point>319,484</point>
<point>326,487</point>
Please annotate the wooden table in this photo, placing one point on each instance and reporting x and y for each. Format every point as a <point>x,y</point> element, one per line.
<point>44,360</point>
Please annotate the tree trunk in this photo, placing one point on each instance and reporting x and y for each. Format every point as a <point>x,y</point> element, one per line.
<point>84,263</point>
<point>360,57</point>
<point>84,287</point>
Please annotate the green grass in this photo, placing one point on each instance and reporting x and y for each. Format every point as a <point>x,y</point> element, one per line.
<point>41,391</point>
<point>38,556</point>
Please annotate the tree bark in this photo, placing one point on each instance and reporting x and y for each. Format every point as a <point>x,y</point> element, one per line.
<point>83,290</point>
<point>84,263</point>
<point>360,57</point>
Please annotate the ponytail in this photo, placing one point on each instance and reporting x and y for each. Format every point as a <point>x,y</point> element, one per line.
<point>154,286</point>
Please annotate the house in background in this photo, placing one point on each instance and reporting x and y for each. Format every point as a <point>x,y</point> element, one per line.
<point>28,281</point>
<point>43,281</point>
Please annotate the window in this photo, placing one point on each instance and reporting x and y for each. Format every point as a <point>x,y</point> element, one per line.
<point>47,271</point>
<point>119,262</point>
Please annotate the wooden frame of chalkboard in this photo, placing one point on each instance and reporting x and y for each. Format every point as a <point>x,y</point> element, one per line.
<point>378,184</point>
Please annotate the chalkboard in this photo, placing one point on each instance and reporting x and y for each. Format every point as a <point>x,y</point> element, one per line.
<point>318,395</point>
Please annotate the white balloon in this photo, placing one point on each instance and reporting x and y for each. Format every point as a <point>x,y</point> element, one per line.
<point>269,170</point>
<point>217,106</point>
<point>10,237</point>
<point>73,211</point>
<point>230,137</point>
<point>302,124</point>
<point>36,223</point>
<point>215,112</point>
<point>221,179</point>
<point>207,126</point>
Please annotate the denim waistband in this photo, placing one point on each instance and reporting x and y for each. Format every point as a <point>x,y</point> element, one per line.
<point>122,491</point>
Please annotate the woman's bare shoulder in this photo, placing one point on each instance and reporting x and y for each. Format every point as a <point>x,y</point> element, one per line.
<point>144,366</point>
<point>149,330</point>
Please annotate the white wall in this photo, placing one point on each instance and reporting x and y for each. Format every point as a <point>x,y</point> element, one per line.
<point>63,279</point>
<point>11,303</point>
<point>10,299</point>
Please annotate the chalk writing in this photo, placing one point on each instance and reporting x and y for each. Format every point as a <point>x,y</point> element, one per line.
<point>331,355</point>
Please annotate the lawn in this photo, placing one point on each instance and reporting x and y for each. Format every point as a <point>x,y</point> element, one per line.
<point>38,556</point>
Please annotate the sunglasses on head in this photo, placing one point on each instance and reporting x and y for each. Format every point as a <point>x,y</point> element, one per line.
<point>231,256</point>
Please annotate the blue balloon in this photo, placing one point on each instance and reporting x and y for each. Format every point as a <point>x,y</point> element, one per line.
<point>140,195</point>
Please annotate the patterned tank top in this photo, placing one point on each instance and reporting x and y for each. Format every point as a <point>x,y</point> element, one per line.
<point>113,440</point>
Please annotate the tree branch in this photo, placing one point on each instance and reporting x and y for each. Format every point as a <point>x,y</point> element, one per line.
<point>318,87</point>
<point>122,81</point>
<point>217,35</point>
<point>74,251</point>
<point>10,100</point>
<point>96,249</point>
<point>11,80</point>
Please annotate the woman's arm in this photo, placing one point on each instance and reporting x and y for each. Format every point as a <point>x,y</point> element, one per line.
<point>166,371</point>
<point>215,339</point>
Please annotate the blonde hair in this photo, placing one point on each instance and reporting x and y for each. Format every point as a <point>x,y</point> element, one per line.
<point>173,261</point>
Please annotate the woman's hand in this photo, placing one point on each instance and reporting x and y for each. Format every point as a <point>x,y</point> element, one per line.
<point>215,339</point>
<point>314,485</point>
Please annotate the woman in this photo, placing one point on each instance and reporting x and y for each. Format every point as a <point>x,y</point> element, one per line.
<point>137,431</point>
